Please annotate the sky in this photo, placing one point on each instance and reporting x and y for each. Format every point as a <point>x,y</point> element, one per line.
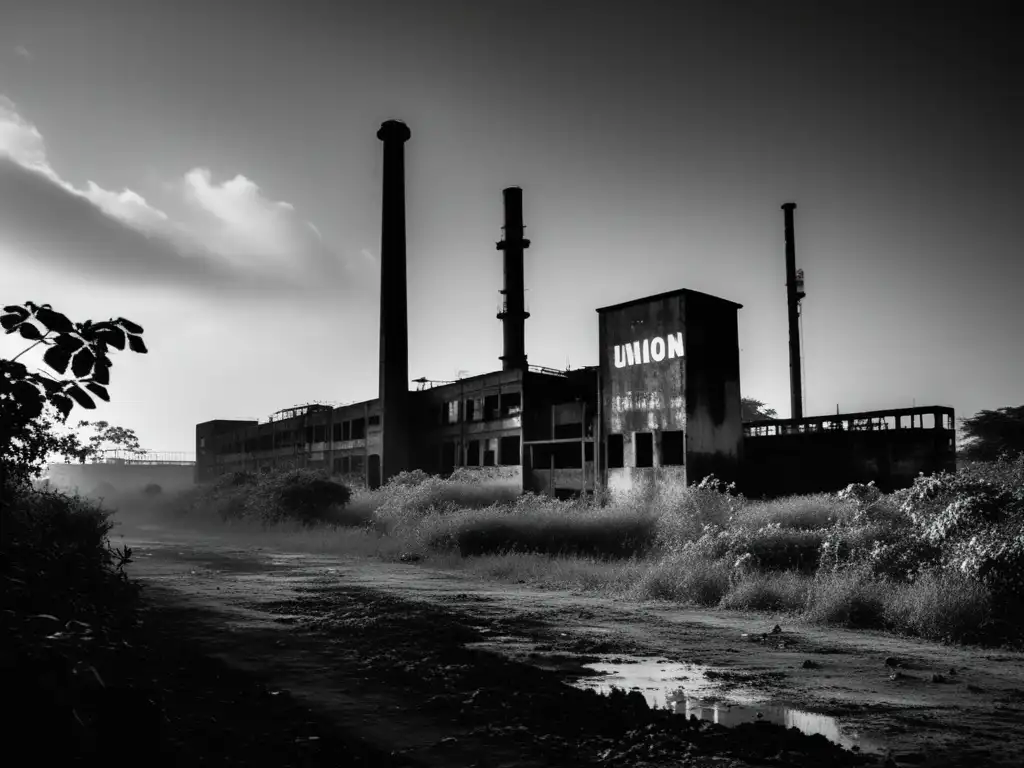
<point>211,171</point>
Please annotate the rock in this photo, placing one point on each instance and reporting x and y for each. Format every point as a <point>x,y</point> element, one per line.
<point>937,678</point>
<point>808,664</point>
<point>952,671</point>
<point>410,557</point>
<point>896,676</point>
<point>892,661</point>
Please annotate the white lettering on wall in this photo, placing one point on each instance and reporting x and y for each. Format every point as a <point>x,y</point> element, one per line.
<point>657,349</point>
<point>652,349</point>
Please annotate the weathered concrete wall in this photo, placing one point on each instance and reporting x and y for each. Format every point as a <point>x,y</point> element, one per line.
<point>125,478</point>
<point>714,424</point>
<point>670,369</point>
<point>629,480</point>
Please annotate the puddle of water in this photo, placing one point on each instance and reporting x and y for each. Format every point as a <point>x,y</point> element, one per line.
<point>687,689</point>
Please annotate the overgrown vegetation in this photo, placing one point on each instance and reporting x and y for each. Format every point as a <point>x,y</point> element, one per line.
<point>65,597</point>
<point>943,559</point>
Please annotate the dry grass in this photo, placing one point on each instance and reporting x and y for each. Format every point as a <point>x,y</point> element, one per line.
<point>783,591</point>
<point>850,597</point>
<point>579,574</point>
<point>939,606</point>
<point>684,578</point>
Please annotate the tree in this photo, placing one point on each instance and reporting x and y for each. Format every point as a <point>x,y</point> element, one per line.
<point>755,410</point>
<point>990,434</point>
<point>33,403</point>
<point>105,434</point>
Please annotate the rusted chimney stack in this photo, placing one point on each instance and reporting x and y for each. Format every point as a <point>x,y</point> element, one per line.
<point>794,295</point>
<point>513,312</point>
<point>394,314</point>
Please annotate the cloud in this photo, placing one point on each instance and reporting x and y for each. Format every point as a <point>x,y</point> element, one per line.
<point>229,235</point>
<point>23,52</point>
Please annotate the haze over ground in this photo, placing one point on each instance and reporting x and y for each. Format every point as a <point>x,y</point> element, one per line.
<point>212,173</point>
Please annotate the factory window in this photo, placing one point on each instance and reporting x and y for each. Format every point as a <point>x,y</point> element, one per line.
<point>511,404</point>
<point>319,433</point>
<point>473,453</point>
<point>644,447</point>
<point>616,452</point>
<point>490,452</point>
<point>565,431</point>
<point>557,456</point>
<point>309,434</point>
<point>490,407</point>
<point>202,442</point>
<point>588,451</point>
<point>336,467</point>
<point>358,429</point>
<point>336,432</point>
<point>510,451</point>
<point>672,448</point>
<point>358,464</point>
<point>450,412</point>
<point>472,412</point>
<point>346,430</point>
<point>267,441</point>
<point>375,420</point>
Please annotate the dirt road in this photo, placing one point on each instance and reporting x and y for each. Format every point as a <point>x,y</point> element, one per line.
<point>445,670</point>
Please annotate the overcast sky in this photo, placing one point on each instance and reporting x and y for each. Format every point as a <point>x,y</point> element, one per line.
<point>210,170</point>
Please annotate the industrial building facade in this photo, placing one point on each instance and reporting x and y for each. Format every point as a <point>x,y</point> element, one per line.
<point>662,405</point>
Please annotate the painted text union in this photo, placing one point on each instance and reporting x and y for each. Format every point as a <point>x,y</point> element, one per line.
<point>656,349</point>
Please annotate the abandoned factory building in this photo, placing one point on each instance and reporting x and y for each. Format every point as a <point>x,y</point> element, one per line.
<point>663,403</point>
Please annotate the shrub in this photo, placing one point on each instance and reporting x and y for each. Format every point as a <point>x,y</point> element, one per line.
<point>686,577</point>
<point>775,548</point>
<point>848,597</point>
<point>784,591</point>
<point>54,554</point>
<point>685,515</point>
<point>813,512</point>
<point>940,606</point>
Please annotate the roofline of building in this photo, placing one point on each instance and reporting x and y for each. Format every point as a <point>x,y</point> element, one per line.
<point>667,295</point>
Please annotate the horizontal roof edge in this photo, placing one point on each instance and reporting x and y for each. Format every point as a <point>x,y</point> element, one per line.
<point>666,295</point>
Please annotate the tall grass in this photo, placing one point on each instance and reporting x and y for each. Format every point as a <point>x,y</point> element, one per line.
<point>856,558</point>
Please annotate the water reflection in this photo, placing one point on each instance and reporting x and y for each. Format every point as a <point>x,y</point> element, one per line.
<point>689,689</point>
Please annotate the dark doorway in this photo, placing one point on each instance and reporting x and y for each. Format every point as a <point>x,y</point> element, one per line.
<point>373,479</point>
<point>447,458</point>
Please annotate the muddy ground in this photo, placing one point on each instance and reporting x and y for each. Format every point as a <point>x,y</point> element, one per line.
<point>418,666</point>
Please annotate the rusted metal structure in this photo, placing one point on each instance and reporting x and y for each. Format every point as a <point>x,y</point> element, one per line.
<point>825,453</point>
<point>662,405</point>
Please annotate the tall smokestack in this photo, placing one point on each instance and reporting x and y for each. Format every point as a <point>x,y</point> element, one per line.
<point>794,294</point>
<point>513,312</point>
<point>394,314</point>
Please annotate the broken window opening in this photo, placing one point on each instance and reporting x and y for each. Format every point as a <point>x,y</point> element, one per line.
<point>511,404</point>
<point>509,451</point>
<point>672,452</point>
<point>616,452</point>
<point>490,407</point>
<point>490,452</point>
<point>643,445</point>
